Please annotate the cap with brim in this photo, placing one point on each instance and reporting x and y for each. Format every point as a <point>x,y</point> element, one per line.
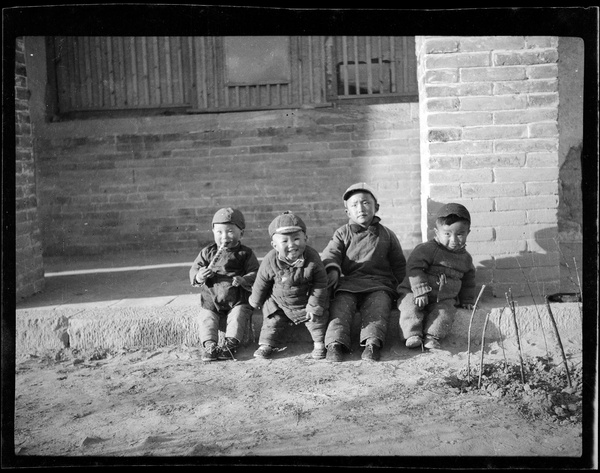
<point>229,215</point>
<point>454,209</point>
<point>287,222</point>
<point>358,187</point>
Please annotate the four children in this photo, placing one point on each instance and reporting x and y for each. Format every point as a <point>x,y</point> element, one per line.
<point>362,271</point>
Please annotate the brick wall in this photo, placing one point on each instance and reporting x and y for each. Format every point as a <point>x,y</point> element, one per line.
<point>28,257</point>
<point>489,109</point>
<point>154,183</point>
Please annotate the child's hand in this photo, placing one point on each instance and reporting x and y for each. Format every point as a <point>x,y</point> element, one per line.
<point>241,282</point>
<point>422,300</point>
<point>466,306</point>
<point>333,277</point>
<point>311,317</point>
<point>203,274</point>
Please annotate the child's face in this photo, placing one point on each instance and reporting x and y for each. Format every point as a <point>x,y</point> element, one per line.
<point>361,208</point>
<point>227,234</point>
<point>453,237</point>
<point>289,246</point>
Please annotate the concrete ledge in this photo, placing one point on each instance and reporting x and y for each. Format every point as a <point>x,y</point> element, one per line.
<point>85,328</point>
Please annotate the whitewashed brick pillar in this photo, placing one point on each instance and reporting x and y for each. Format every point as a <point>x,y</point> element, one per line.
<point>489,140</point>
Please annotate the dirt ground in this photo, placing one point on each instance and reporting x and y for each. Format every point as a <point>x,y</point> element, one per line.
<point>165,402</point>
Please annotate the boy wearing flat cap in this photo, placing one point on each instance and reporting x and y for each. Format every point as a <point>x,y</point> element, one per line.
<point>290,287</point>
<point>224,271</point>
<point>365,264</point>
<point>440,274</point>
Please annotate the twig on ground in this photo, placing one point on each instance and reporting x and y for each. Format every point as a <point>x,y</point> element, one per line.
<point>487,317</point>
<point>469,334</point>
<point>536,309</point>
<point>580,289</point>
<point>501,341</point>
<point>511,304</point>
<point>562,351</point>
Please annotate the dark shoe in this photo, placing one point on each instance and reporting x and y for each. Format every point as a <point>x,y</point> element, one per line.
<point>371,352</point>
<point>264,351</point>
<point>432,343</point>
<point>228,349</point>
<point>334,352</point>
<point>210,352</point>
<point>414,342</point>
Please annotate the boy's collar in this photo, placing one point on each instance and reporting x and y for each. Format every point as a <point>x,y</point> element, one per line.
<point>295,264</point>
<point>356,228</point>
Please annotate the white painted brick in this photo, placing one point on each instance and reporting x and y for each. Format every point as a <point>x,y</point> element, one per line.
<point>529,202</point>
<point>504,102</point>
<point>444,192</point>
<point>526,87</point>
<point>524,232</point>
<point>461,147</point>
<point>541,216</point>
<point>441,45</point>
<point>460,175</point>
<point>512,58</point>
<point>454,90</point>
<point>493,190</point>
<point>479,233</point>
<point>542,159</point>
<point>492,74</point>
<point>542,100</point>
<point>499,218</point>
<point>497,247</point>
<point>442,104</point>
<point>441,75</point>
<point>542,130</point>
<point>525,174</point>
<point>494,132</point>
<point>542,71</point>
<point>493,160</point>
<point>525,116</point>
<point>541,188</point>
<point>489,43</point>
<point>444,162</point>
<point>445,61</point>
<point>459,119</point>
<point>526,145</point>
<point>541,42</point>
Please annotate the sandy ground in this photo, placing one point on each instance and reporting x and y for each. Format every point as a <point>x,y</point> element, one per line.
<point>166,402</point>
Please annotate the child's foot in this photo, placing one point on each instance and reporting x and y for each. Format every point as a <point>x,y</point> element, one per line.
<point>334,352</point>
<point>432,343</point>
<point>414,342</point>
<point>210,352</point>
<point>319,352</point>
<point>371,352</point>
<point>228,349</point>
<point>264,351</point>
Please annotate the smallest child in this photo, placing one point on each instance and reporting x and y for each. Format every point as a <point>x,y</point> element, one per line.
<point>224,271</point>
<point>440,273</point>
<point>290,287</point>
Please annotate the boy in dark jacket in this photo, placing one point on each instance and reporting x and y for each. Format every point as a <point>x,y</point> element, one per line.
<point>440,274</point>
<point>365,264</point>
<point>224,271</point>
<point>290,287</point>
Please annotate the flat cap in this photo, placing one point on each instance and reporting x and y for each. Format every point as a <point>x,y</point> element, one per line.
<point>454,209</point>
<point>229,215</point>
<point>287,222</point>
<point>359,186</point>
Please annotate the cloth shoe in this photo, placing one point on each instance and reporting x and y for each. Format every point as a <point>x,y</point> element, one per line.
<point>432,343</point>
<point>210,352</point>
<point>319,353</point>
<point>371,352</point>
<point>334,352</point>
<point>264,351</point>
<point>228,349</point>
<point>414,342</point>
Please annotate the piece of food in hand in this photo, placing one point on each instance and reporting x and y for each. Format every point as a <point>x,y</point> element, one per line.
<point>216,258</point>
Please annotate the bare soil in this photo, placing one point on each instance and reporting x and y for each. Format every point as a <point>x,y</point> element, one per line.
<point>166,402</point>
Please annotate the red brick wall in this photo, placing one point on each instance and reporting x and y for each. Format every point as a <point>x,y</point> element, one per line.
<point>154,183</point>
<point>28,257</point>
